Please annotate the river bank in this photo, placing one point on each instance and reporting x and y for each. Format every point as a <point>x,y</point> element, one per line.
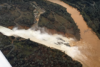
<point>90,12</point>
<point>89,43</point>
<point>29,53</point>
<point>55,17</point>
<point>21,52</point>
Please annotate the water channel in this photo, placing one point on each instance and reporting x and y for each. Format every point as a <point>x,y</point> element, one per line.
<point>89,44</point>
<point>85,51</point>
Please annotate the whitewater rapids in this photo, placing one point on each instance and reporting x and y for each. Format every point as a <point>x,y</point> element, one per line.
<point>89,44</point>
<point>54,41</point>
<point>85,51</point>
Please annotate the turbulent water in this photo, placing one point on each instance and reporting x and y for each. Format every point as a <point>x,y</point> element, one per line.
<point>85,51</point>
<point>54,41</point>
<point>89,45</point>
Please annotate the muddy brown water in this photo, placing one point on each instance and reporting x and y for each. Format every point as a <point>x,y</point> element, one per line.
<point>89,45</point>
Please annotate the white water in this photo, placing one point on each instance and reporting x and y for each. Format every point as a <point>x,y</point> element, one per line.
<point>89,44</point>
<point>45,39</point>
<point>54,41</point>
<point>58,41</point>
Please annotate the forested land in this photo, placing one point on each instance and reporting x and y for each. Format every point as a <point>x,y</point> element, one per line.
<point>90,10</point>
<point>25,53</point>
<point>12,13</point>
<point>56,17</point>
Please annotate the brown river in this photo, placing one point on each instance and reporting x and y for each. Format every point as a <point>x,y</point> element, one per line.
<point>89,45</point>
<point>85,51</point>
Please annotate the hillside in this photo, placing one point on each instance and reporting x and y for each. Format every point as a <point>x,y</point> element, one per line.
<point>90,10</point>
<point>25,53</point>
<point>55,17</point>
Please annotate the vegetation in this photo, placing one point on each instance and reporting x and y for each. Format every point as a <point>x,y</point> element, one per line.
<point>90,9</point>
<point>30,54</point>
<point>56,17</point>
<point>25,53</point>
<point>16,13</point>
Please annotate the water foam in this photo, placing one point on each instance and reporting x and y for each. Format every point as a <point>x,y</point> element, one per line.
<point>55,41</point>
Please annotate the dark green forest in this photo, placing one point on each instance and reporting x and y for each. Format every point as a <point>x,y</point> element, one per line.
<point>56,17</point>
<point>90,10</point>
<point>67,25</point>
<point>25,53</point>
